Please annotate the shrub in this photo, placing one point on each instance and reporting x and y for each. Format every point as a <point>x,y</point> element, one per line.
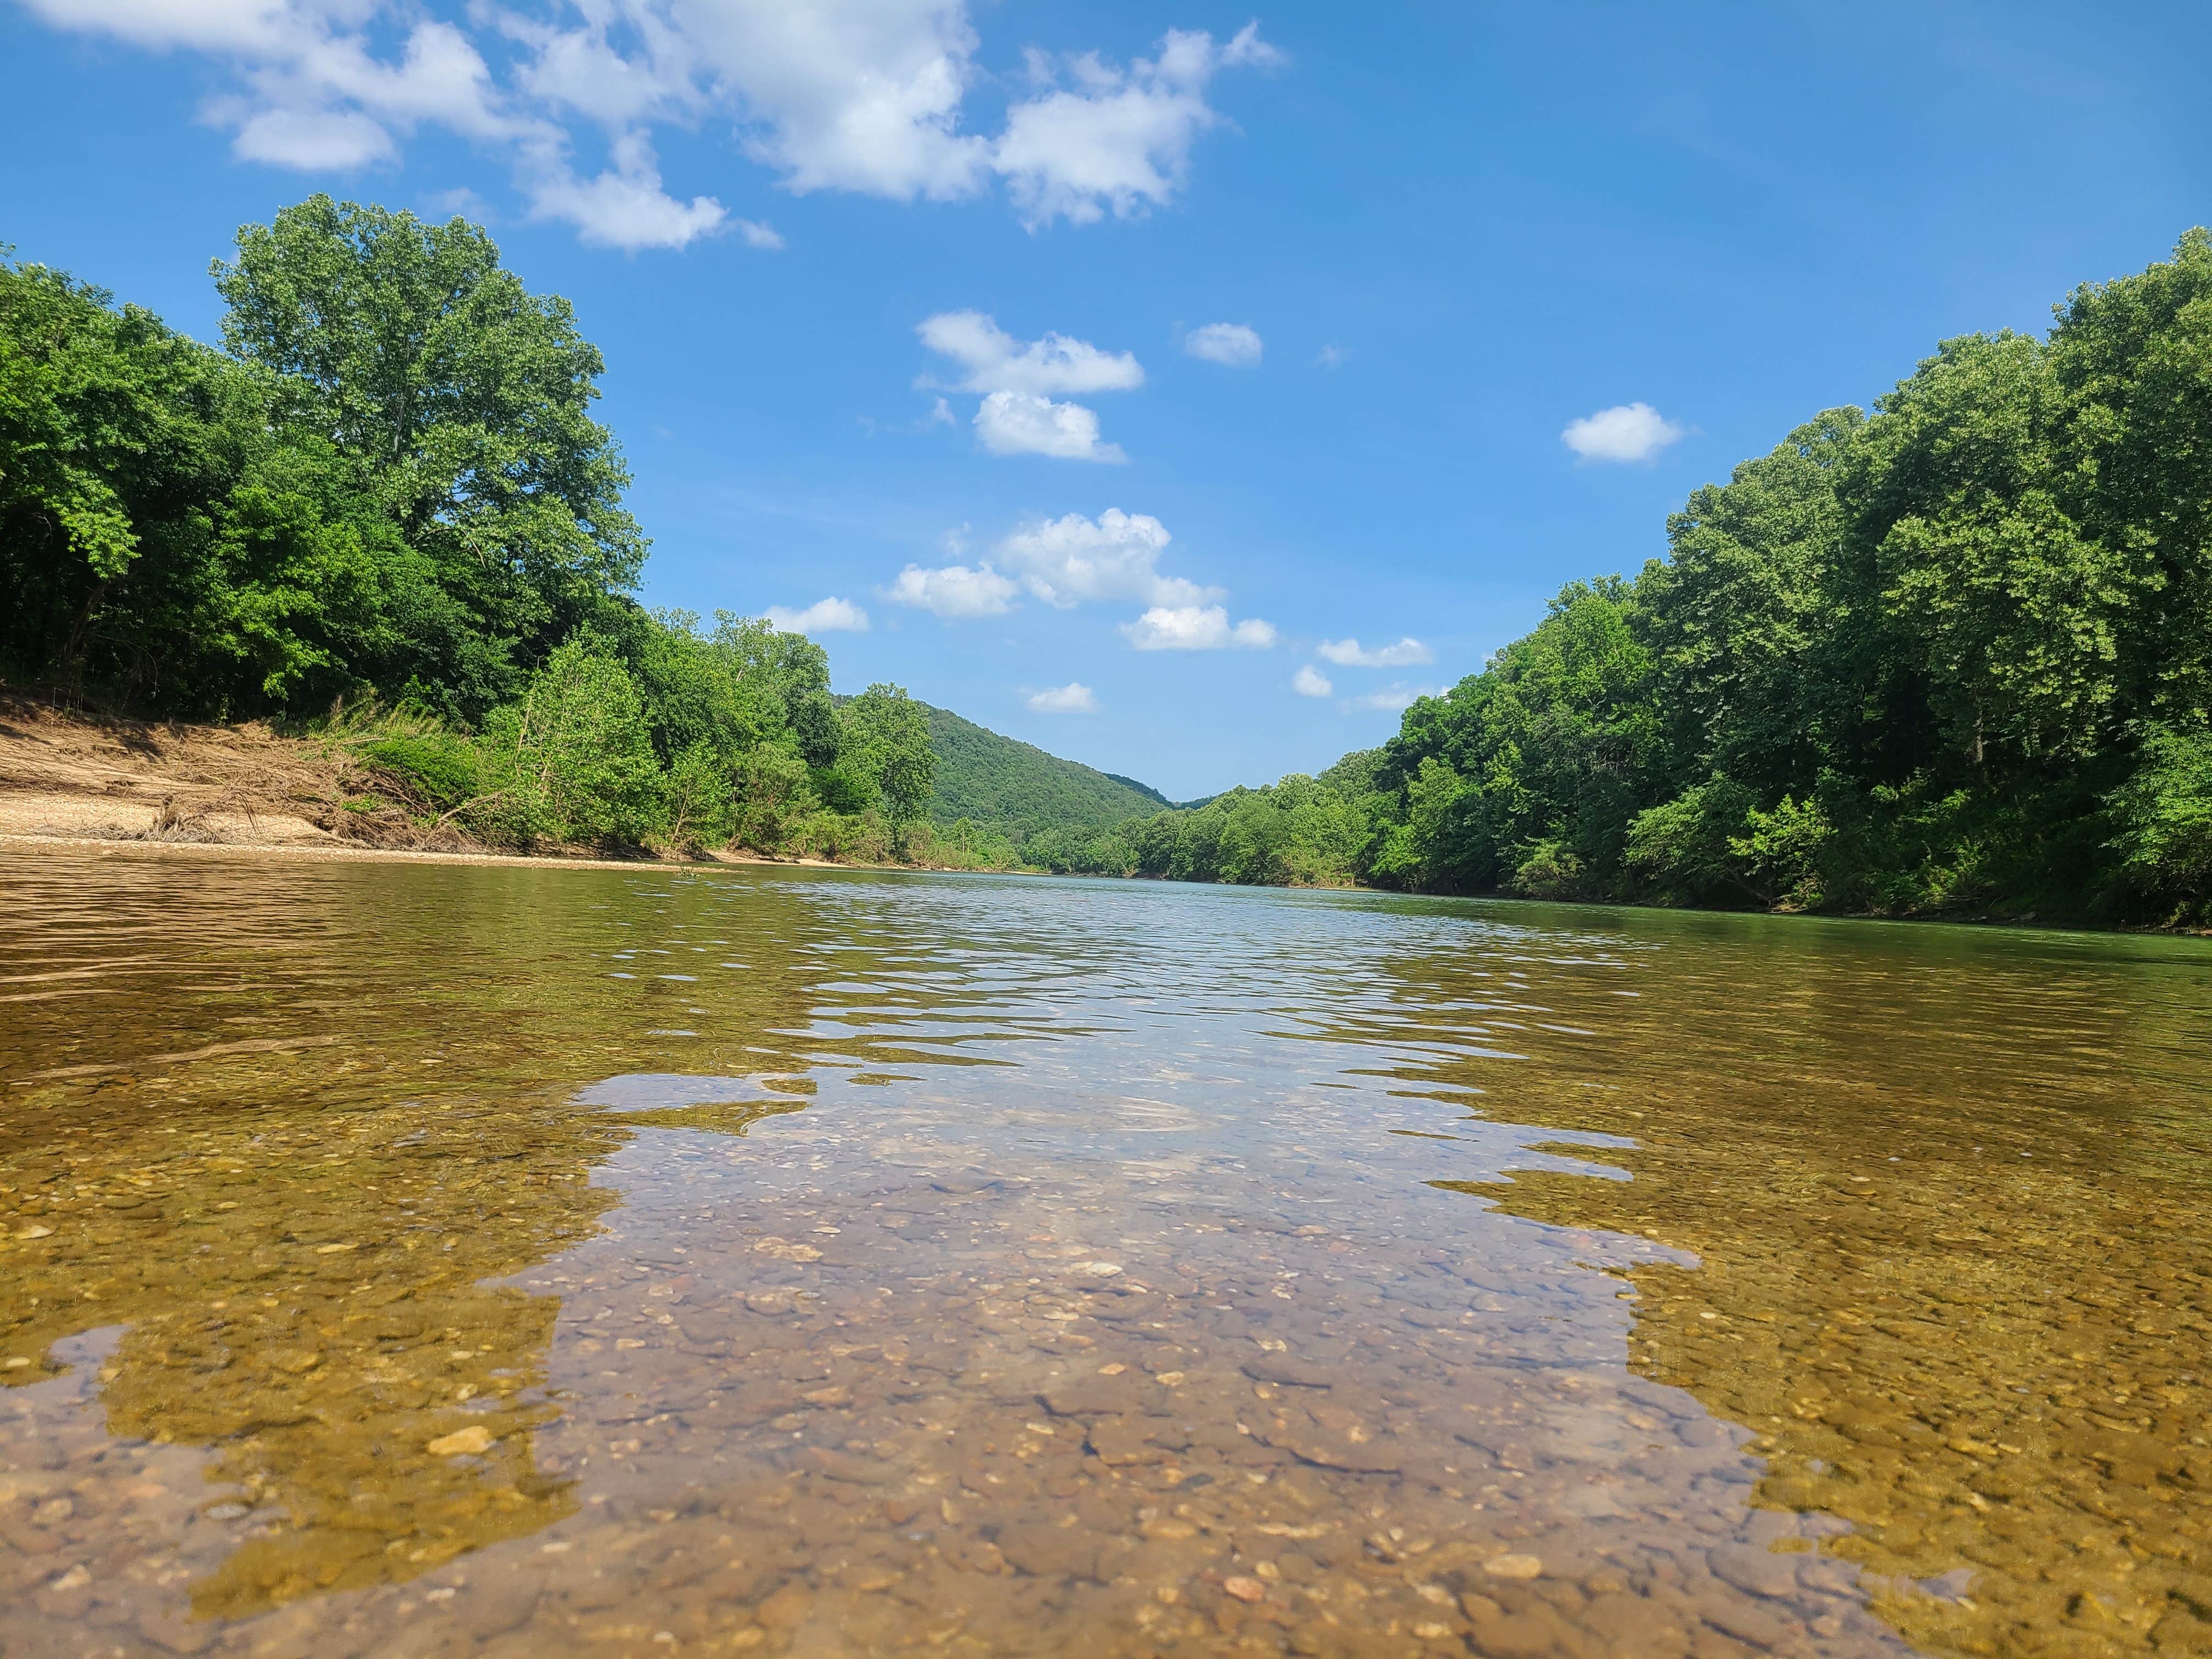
<point>2164,817</point>
<point>574,756</point>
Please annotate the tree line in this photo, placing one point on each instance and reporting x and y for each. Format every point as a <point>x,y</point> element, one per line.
<point>385,494</point>
<point>1954,655</point>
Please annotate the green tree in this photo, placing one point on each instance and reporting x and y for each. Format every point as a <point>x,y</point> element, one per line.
<point>1741,615</point>
<point>2163,814</point>
<point>2133,361</point>
<point>886,740</point>
<point>458,402</point>
<point>2002,612</point>
<point>574,757</point>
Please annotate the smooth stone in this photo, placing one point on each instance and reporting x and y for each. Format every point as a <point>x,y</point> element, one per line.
<point>1515,1566</point>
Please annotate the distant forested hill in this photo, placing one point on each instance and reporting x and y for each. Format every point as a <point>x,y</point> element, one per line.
<point>1144,789</point>
<point>993,781</point>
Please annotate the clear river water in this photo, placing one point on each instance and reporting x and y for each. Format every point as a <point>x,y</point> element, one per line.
<point>426,1259</point>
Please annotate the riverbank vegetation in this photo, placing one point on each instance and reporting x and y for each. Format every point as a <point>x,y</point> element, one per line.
<point>1954,655</point>
<point>1951,656</point>
<point>382,512</point>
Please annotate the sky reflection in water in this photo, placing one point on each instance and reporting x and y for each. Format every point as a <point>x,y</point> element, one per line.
<point>425,1260</point>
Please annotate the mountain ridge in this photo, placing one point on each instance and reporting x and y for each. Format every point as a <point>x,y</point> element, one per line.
<point>995,780</point>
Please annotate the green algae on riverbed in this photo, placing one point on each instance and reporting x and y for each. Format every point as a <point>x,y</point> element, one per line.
<point>458,1261</point>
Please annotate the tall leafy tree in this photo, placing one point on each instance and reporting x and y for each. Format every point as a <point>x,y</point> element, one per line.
<point>162,541</point>
<point>887,740</point>
<point>459,401</point>
<point>1741,615</point>
<point>1994,608</point>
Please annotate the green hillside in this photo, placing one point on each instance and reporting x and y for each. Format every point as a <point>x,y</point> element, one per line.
<point>993,780</point>
<point>1144,789</point>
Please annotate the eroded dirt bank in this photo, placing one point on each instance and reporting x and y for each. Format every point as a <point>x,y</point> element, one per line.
<point>78,778</point>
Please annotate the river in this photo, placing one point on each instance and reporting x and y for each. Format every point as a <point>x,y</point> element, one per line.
<point>434,1260</point>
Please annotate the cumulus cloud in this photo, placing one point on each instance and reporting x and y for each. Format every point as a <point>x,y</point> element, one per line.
<point>1349,653</point>
<point>994,360</point>
<point>1073,698</point>
<point>1069,561</point>
<point>830,616</point>
<point>1310,681</point>
<point>860,95</point>
<point>1018,416</point>
<point>1196,628</point>
<point>953,591</point>
<point>1626,432</point>
<point>1396,698</point>
<point>1102,139</point>
<point>1233,345</point>
<point>313,140</point>
<point>626,207</point>
<point>1072,561</point>
<point>1021,423</point>
<point>203,25</point>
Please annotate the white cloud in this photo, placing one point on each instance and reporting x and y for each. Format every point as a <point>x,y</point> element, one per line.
<point>1310,681</point>
<point>1021,423</point>
<point>1348,653</point>
<point>1397,698</point>
<point>830,616</point>
<point>317,98</point>
<point>203,25</point>
<point>1233,345</point>
<point>859,95</point>
<point>1073,698</point>
<point>578,68</point>
<point>1626,432</point>
<point>1116,140</point>
<point>1196,628</point>
<point>1331,357</point>
<point>626,207</point>
<point>759,234</point>
<point>1069,561</point>
<point>1017,415</point>
<point>953,591</point>
<point>313,140</point>
<point>996,361</point>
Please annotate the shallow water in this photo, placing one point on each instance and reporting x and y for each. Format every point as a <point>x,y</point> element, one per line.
<point>432,1260</point>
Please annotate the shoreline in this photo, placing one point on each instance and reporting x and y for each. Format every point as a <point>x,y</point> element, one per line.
<point>348,852</point>
<point>339,852</point>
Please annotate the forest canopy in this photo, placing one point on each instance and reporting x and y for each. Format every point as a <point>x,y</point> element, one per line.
<point>387,490</point>
<point>1951,655</point>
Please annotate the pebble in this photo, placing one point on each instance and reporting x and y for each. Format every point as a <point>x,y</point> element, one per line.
<point>1515,1566</point>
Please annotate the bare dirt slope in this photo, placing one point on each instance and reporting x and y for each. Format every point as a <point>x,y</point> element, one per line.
<point>116,780</point>
<point>67,776</point>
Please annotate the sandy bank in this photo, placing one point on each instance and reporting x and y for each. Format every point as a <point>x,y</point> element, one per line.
<point>330,849</point>
<point>86,781</point>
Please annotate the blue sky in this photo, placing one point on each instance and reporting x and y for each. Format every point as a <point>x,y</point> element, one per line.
<point>1123,365</point>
